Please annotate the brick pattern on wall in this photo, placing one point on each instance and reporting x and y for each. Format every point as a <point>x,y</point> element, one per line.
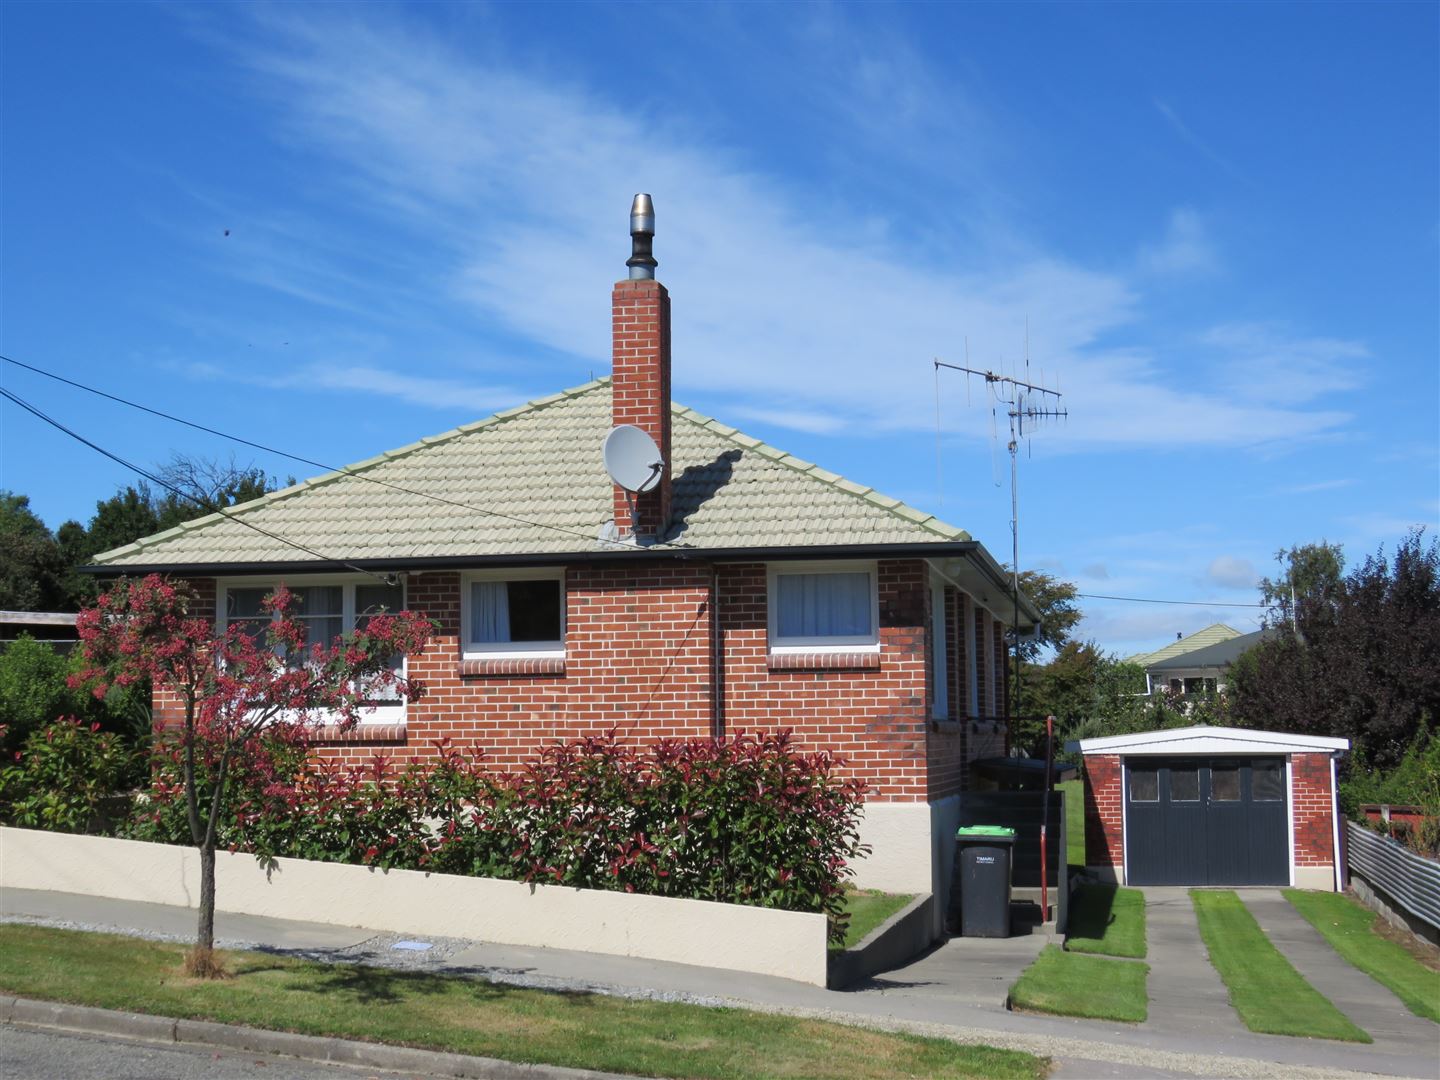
<point>980,619</point>
<point>1104,813</point>
<point>1312,801</point>
<point>876,718</point>
<point>167,707</point>
<point>639,657</point>
<point>641,390</point>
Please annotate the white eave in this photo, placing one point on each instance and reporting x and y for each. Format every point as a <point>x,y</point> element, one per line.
<point>1209,740</point>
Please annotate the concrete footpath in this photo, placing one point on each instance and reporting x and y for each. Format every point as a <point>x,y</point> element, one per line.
<point>936,995</point>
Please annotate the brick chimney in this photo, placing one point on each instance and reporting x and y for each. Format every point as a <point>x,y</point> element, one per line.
<point>641,382</point>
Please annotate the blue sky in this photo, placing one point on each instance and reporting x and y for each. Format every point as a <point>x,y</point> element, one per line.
<point>1219,223</point>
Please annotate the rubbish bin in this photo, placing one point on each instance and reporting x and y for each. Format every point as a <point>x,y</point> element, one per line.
<point>982,874</point>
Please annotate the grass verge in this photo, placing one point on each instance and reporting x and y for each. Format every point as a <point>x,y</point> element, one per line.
<point>1108,920</point>
<point>868,908</point>
<point>1349,927</point>
<point>1268,993</point>
<point>468,1016</point>
<point>1072,985</point>
<point>1074,822</point>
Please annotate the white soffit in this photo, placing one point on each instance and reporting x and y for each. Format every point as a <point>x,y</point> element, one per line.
<point>1210,740</point>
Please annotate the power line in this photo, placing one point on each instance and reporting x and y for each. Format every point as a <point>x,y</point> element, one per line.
<point>203,503</point>
<point>1147,600</point>
<point>308,461</point>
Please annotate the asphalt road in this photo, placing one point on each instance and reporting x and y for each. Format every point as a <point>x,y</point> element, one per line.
<point>34,1054</point>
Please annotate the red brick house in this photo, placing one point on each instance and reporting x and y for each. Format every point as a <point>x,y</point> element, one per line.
<point>1214,806</point>
<point>748,590</point>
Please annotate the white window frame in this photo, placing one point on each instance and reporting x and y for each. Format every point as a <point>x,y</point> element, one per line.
<point>834,644</point>
<point>939,652</point>
<point>972,668</point>
<point>370,714</point>
<point>511,650</point>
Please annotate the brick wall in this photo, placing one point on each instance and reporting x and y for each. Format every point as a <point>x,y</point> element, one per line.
<point>877,717</point>
<point>638,657</point>
<point>1312,801</point>
<point>1104,813</point>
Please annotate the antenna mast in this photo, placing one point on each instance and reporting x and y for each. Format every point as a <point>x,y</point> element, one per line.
<point>1025,403</point>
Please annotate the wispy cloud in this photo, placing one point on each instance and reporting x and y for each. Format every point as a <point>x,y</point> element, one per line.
<point>1232,572</point>
<point>516,184</point>
<point>416,389</point>
<point>1195,141</point>
<point>1185,248</point>
<point>1313,488</point>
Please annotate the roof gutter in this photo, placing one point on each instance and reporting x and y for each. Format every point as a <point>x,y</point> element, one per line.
<point>940,549</point>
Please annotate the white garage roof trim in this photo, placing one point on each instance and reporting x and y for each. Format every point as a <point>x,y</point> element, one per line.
<point>1210,740</point>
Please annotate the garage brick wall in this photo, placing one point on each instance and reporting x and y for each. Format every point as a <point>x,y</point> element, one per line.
<point>1313,803</point>
<point>1104,812</point>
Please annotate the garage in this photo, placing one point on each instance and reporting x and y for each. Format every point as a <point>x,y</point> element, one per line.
<point>1213,806</point>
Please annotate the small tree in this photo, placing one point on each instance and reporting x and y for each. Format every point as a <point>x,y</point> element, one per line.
<point>236,687</point>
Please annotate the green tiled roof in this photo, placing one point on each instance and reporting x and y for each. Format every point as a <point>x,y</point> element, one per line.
<point>537,468</point>
<point>1211,635</point>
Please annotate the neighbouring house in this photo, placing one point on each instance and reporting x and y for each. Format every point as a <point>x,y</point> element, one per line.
<point>54,628</point>
<point>746,590</point>
<point>1161,675</point>
<point>1205,670</point>
<point>1213,806</point>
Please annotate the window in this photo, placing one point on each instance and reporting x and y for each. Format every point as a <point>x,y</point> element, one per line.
<point>817,606</point>
<point>1185,785</point>
<point>939,654</point>
<point>325,610</point>
<point>1144,784</point>
<point>1200,686</point>
<point>1225,783</point>
<point>1267,781</point>
<point>514,614</point>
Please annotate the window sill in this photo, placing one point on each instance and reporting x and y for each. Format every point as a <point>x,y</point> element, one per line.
<point>332,735</point>
<point>823,661</point>
<point>948,727</point>
<point>500,668</point>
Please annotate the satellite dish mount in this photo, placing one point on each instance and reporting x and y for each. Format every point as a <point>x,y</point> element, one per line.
<point>633,461</point>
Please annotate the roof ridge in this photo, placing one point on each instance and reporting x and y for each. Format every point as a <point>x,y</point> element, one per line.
<point>493,420</point>
<point>894,507</point>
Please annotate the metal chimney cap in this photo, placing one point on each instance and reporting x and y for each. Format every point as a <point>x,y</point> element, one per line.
<point>642,215</point>
<point>642,238</point>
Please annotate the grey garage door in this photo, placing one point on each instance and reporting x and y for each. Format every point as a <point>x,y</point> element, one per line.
<point>1206,821</point>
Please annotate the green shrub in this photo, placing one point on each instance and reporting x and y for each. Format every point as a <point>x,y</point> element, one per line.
<point>68,777</point>
<point>33,691</point>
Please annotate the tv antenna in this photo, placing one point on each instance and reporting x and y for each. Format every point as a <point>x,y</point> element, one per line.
<point>1027,404</point>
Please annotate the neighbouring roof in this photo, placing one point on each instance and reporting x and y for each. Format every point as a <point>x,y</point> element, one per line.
<point>1211,635</point>
<point>37,618</point>
<point>1212,656</point>
<point>538,468</point>
<point>1209,740</point>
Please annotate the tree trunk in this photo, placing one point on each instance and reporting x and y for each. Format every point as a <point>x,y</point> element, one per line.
<point>205,937</point>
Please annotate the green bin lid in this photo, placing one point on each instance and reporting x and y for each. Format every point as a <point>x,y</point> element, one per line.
<point>984,830</point>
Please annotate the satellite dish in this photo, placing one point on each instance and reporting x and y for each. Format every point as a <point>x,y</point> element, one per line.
<point>631,458</point>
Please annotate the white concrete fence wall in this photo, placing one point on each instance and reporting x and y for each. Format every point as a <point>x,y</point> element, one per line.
<point>788,944</point>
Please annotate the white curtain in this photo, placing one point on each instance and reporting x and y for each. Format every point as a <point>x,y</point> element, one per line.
<point>489,611</point>
<point>823,605</point>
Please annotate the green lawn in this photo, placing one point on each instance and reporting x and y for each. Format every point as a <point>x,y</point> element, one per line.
<point>1089,986</point>
<point>1108,920</point>
<point>1349,927</point>
<point>469,1016</point>
<point>1074,822</point>
<point>1267,992</point>
<point>868,908</point>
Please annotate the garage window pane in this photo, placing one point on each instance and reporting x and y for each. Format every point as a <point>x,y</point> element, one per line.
<point>1225,783</point>
<point>1184,785</point>
<point>1143,786</point>
<point>1267,783</point>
